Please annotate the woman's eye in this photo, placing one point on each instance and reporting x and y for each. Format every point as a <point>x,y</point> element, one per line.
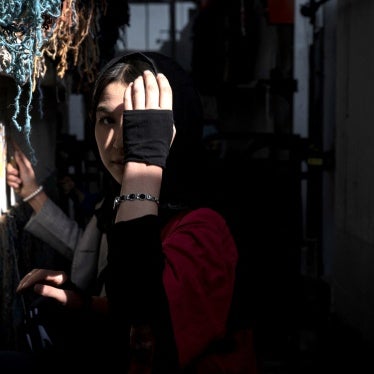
<point>105,120</point>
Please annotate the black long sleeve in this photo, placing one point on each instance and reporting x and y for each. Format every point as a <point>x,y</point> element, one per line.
<point>135,289</point>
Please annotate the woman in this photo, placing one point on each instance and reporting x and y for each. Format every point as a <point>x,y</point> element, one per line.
<point>170,269</point>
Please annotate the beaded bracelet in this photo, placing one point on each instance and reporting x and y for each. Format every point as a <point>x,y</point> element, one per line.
<point>33,194</point>
<point>135,196</point>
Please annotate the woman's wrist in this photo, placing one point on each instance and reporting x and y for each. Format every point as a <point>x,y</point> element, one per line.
<point>35,192</point>
<point>139,178</point>
<point>37,201</point>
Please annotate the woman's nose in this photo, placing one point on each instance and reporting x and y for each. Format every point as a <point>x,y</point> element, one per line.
<point>117,138</point>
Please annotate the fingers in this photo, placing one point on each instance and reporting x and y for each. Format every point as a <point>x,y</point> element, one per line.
<point>13,180</point>
<point>19,164</point>
<point>22,161</point>
<point>152,91</point>
<point>20,157</point>
<point>166,94</point>
<point>13,177</point>
<point>138,93</point>
<point>12,170</point>
<point>45,276</point>
<point>67,298</point>
<point>149,92</point>
<point>55,293</point>
<point>127,99</point>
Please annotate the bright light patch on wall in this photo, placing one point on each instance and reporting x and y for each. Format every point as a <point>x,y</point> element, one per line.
<point>150,24</point>
<point>76,116</point>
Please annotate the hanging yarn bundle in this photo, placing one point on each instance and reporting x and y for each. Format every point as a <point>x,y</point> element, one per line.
<point>71,30</point>
<point>63,30</point>
<point>25,26</point>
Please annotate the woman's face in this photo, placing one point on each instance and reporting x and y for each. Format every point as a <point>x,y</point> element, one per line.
<point>108,129</point>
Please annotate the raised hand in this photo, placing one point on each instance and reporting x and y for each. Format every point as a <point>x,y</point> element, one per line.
<point>21,176</point>
<point>148,125</point>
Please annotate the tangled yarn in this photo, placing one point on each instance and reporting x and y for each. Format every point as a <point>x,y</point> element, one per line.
<point>25,26</point>
<point>63,30</point>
